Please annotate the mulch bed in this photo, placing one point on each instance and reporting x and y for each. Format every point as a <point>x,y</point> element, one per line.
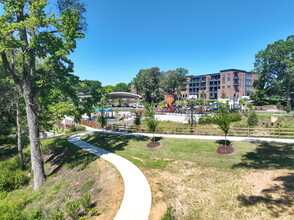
<point>153,144</point>
<point>225,149</point>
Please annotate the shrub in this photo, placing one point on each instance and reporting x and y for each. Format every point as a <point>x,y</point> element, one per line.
<point>77,128</point>
<point>288,109</point>
<point>11,177</point>
<point>236,117</point>
<point>14,206</point>
<point>252,119</point>
<point>278,105</point>
<point>56,214</point>
<point>202,120</point>
<point>249,105</point>
<point>86,201</point>
<point>242,101</point>
<point>137,120</point>
<point>35,214</point>
<point>72,208</point>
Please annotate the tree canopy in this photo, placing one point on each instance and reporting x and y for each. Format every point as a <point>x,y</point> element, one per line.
<point>275,68</point>
<point>152,82</point>
<point>34,48</point>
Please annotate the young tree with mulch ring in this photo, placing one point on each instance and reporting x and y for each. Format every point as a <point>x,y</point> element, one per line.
<point>223,120</point>
<point>152,123</point>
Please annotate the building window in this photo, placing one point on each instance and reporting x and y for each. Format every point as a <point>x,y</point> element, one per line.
<point>229,77</point>
<point>224,78</point>
<point>229,87</point>
<point>223,87</point>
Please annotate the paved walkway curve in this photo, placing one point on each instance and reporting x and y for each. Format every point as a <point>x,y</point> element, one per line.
<point>137,198</point>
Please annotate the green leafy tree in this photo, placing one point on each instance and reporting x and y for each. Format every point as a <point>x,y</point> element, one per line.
<point>223,119</point>
<point>137,119</point>
<point>275,68</point>
<point>258,97</point>
<point>223,95</point>
<point>102,119</point>
<point>173,80</point>
<point>288,109</point>
<point>252,119</point>
<point>109,88</point>
<point>122,87</point>
<point>88,86</point>
<point>147,82</point>
<point>150,119</point>
<point>242,102</point>
<point>249,105</point>
<point>41,43</point>
<point>278,105</point>
<point>152,124</point>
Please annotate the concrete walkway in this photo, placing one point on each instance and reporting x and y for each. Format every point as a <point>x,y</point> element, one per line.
<point>137,198</point>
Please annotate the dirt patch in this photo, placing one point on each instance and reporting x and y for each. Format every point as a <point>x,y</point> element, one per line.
<point>112,185</point>
<point>194,192</point>
<point>154,144</point>
<point>137,158</point>
<point>225,149</point>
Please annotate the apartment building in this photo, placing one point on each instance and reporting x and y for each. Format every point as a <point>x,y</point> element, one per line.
<point>233,82</point>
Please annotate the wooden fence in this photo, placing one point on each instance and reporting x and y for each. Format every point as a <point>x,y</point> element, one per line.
<point>199,130</point>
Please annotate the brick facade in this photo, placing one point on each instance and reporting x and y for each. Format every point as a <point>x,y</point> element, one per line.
<point>234,82</point>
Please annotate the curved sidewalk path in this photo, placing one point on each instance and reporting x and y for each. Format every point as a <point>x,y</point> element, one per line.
<point>136,203</point>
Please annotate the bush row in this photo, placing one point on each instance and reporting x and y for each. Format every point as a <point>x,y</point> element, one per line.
<point>208,119</point>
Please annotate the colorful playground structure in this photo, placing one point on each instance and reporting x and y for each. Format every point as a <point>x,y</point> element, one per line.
<point>169,103</point>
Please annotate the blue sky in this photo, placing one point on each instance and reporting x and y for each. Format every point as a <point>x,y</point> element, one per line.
<point>205,36</point>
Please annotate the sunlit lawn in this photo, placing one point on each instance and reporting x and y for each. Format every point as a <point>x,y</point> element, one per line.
<point>197,183</point>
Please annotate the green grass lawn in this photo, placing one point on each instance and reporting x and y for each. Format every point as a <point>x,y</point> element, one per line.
<point>197,183</point>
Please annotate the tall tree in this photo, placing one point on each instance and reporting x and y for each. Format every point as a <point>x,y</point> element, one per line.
<point>26,29</point>
<point>122,87</point>
<point>275,68</point>
<point>88,86</point>
<point>173,80</point>
<point>147,82</point>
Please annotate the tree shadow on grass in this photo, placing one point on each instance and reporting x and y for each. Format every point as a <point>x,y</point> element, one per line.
<point>60,152</point>
<point>269,156</point>
<point>222,142</point>
<point>114,142</point>
<point>278,198</point>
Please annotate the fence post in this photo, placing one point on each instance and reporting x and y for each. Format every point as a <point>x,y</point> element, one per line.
<point>248,131</point>
<point>125,127</point>
<point>197,130</point>
<point>279,132</point>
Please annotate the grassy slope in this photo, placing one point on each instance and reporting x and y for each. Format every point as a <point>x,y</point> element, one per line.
<point>200,184</point>
<point>71,172</point>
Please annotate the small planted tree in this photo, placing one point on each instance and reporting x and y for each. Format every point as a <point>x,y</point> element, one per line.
<point>252,119</point>
<point>137,120</point>
<point>288,109</point>
<point>152,122</point>
<point>102,119</point>
<point>223,119</point>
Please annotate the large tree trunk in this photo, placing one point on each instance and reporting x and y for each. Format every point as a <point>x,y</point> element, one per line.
<point>33,125</point>
<point>19,142</point>
<point>289,91</point>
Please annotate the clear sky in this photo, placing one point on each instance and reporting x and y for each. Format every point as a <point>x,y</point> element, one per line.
<point>204,36</point>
